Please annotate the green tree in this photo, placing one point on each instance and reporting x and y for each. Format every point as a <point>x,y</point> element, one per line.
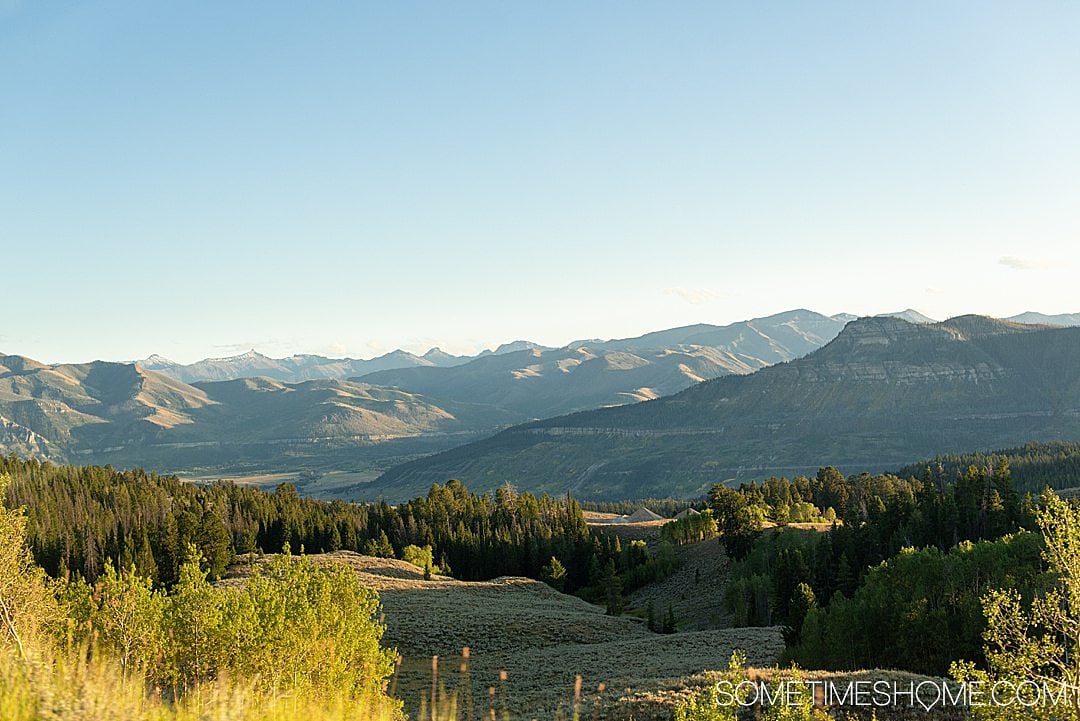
<point>611,587</point>
<point>669,619</point>
<point>421,557</point>
<point>554,574</point>
<point>1037,644</point>
<point>129,615</point>
<point>193,617</point>
<point>802,600</point>
<point>381,547</point>
<point>27,608</point>
<point>738,524</point>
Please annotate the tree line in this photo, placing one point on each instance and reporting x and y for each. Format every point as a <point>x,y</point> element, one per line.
<point>292,631</point>
<point>82,520</point>
<point>905,560</point>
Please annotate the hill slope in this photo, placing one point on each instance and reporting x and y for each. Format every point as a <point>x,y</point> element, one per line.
<point>541,638</point>
<point>1068,320</point>
<point>125,415</point>
<point>883,392</point>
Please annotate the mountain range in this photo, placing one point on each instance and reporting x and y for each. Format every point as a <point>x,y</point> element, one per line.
<point>885,391</point>
<point>539,383</point>
<point>126,415</point>
<point>305,367</point>
<point>252,414</point>
<point>244,413</point>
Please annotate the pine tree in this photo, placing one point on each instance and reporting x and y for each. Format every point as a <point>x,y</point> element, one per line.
<point>611,586</point>
<point>669,619</point>
<point>554,574</point>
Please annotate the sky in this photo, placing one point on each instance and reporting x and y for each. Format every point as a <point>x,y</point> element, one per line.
<point>199,178</point>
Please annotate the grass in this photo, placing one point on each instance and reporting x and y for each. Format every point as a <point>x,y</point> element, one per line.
<point>504,649</point>
<point>530,639</point>
<point>92,687</point>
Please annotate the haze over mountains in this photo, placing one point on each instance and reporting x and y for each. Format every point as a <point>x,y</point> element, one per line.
<point>756,342</point>
<point>883,391</point>
<point>122,414</point>
<point>306,367</point>
<point>588,374</point>
<point>252,414</point>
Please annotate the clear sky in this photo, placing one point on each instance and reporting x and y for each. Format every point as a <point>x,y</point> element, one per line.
<point>198,178</point>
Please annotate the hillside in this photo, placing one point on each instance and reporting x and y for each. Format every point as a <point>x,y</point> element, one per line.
<point>539,383</point>
<point>1067,320</point>
<point>541,638</point>
<point>883,392</point>
<point>250,414</point>
<point>1034,466</point>
<point>125,415</point>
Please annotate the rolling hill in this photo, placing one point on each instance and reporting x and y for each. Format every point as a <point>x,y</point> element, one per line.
<point>125,415</point>
<point>883,392</point>
<point>1067,320</point>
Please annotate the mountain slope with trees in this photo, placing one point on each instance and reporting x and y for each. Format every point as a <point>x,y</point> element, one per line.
<point>883,392</point>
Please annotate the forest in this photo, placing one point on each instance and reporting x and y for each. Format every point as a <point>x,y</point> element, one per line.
<point>899,553</point>
<point>82,520</point>
<point>897,580</point>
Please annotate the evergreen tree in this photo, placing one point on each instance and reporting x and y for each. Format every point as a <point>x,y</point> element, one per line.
<point>612,589</point>
<point>669,619</point>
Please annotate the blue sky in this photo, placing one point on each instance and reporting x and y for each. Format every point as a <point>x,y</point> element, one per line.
<point>195,179</point>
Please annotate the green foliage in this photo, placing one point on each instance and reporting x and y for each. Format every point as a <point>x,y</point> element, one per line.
<point>1033,466</point>
<point>81,518</point>
<point>669,625</point>
<point>555,574</point>
<point>292,631</point>
<point>707,704</point>
<point>665,507</point>
<point>419,556</point>
<point>736,520</point>
<point>919,610</point>
<point>611,586</point>
<point>761,585</point>
<point>291,626</point>
<point>1035,641</point>
<point>27,608</point>
<point>690,529</point>
<point>747,600</point>
<point>379,547</point>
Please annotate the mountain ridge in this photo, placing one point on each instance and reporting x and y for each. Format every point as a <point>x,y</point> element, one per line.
<point>883,391</point>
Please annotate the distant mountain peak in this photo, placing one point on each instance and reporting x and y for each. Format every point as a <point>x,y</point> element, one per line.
<point>1062,319</point>
<point>980,326</point>
<point>155,359</point>
<point>911,316</point>
<point>518,345</point>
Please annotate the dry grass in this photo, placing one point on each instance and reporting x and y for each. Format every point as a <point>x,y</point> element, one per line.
<point>695,590</point>
<point>648,531</point>
<point>656,704</point>
<point>542,639</point>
